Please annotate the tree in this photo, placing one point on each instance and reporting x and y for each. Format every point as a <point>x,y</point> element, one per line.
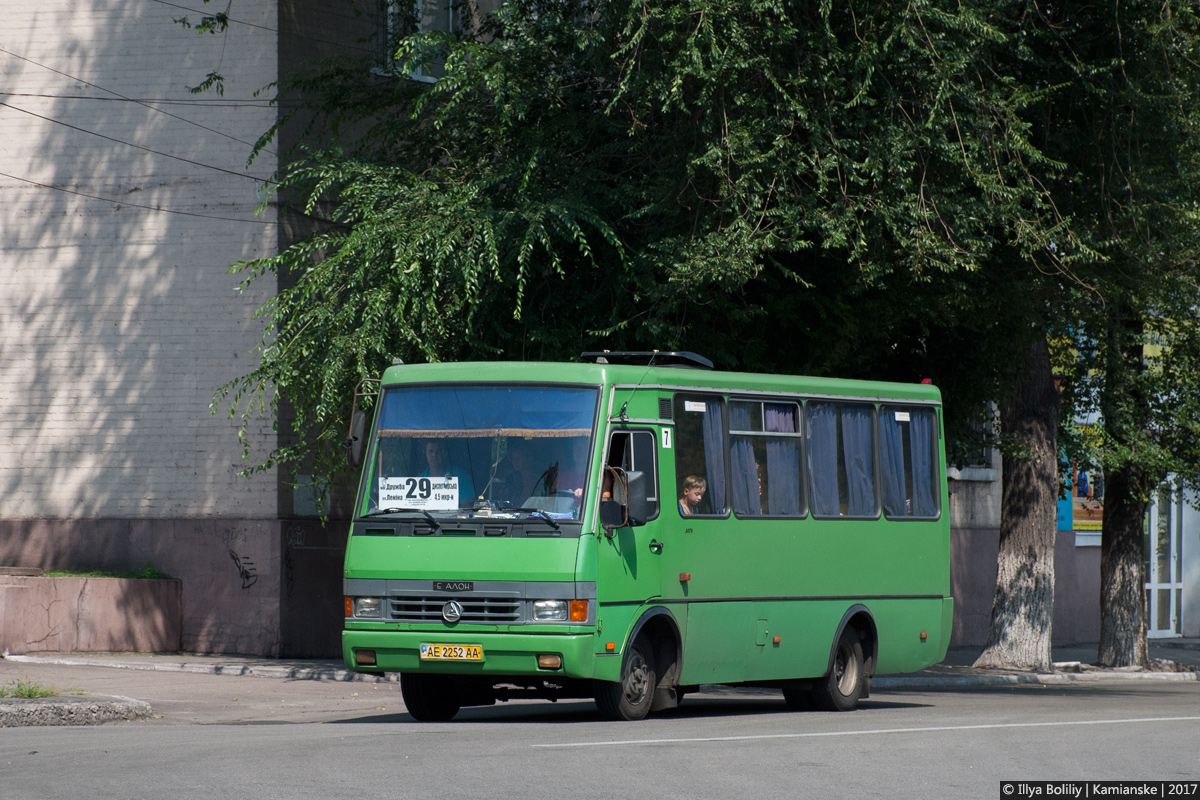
<point>1130,142</point>
<point>1023,609</point>
<point>688,174</point>
<point>668,175</point>
<point>1118,115</point>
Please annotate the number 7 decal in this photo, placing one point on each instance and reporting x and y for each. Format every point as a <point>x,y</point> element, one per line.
<point>666,438</point>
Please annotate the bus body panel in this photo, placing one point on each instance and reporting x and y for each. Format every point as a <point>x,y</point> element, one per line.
<point>451,558</point>
<point>504,653</point>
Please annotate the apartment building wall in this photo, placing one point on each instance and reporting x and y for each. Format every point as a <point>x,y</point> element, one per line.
<point>126,198</point>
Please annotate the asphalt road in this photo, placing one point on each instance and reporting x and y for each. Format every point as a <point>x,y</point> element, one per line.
<point>242,737</point>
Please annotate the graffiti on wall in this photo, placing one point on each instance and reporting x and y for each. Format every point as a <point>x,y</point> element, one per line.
<point>246,570</point>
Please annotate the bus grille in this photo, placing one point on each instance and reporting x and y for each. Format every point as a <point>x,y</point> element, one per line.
<point>487,610</point>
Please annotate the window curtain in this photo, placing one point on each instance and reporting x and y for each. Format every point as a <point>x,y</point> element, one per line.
<point>921,433</point>
<point>858,450</point>
<point>822,458</point>
<point>714,455</point>
<point>783,461</point>
<point>746,500</point>
<point>891,437</point>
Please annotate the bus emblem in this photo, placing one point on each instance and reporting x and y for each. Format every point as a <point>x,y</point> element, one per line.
<point>452,611</point>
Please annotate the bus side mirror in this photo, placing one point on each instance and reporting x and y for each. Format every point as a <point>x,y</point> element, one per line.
<point>612,515</point>
<point>356,442</point>
<point>639,502</point>
<point>628,504</point>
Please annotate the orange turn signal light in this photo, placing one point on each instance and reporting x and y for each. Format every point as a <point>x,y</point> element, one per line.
<point>611,646</point>
<point>924,636</point>
<point>349,606</point>
<point>579,610</point>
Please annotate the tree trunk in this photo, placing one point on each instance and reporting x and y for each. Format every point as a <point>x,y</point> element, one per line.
<point>1024,602</point>
<point>1123,409</point>
<point>1122,584</point>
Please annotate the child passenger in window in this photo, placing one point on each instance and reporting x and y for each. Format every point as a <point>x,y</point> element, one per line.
<point>693,492</point>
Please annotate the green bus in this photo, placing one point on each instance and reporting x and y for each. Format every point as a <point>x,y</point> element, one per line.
<point>636,525</point>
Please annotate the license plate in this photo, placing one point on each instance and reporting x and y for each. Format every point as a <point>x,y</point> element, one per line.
<point>451,652</point>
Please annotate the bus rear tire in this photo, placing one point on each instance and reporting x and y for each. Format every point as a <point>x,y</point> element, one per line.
<point>429,698</point>
<point>841,689</point>
<point>631,698</point>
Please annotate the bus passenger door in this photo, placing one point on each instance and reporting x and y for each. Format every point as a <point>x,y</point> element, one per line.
<point>630,557</point>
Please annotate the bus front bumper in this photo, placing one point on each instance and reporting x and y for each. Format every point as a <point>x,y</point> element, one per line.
<point>502,653</point>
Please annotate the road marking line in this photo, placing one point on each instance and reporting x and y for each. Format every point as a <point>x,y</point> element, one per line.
<point>934,729</point>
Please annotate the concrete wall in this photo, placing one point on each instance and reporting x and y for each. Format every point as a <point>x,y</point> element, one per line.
<point>229,569</point>
<point>88,615</point>
<point>261,587</point>
<point>975,496</point>
<point>973,554</point>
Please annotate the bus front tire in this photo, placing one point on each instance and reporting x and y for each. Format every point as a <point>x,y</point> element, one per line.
<point>841,689</point>
<point>429,698</point>
<point>631,698</point>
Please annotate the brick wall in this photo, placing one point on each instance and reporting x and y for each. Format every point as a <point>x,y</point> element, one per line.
<point>117,322</point>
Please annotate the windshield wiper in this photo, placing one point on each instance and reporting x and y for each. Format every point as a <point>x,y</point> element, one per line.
<point>538,512</point>
<point>380,512</point>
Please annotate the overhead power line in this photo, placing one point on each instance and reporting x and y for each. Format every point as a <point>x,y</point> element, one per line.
<point>63,189</point>
<point>130,99</point>
<point>141,147</point>
<point>201,102</point>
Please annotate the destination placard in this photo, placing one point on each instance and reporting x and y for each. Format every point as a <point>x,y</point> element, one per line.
<point>421,492</point>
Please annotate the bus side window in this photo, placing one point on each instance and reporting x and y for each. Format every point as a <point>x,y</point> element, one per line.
<point>841,456</point>
<point>634,451</point>
<point>765,458</point>
<point>700,453</point>
<point>908,452</point>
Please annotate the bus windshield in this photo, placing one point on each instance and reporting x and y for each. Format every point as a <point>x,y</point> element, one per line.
<point>449,450</point>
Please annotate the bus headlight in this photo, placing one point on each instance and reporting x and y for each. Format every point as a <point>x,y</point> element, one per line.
<point>368,607</point>
<point>550,611</point>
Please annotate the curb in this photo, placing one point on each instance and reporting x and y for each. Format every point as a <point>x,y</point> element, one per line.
<point>16,713</point>
<point>953,681</point>
<point>327,672</point>
<point>311,673</point>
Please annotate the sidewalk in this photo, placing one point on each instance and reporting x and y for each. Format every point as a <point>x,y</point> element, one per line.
<point>1172,659</point>
<point>1073,661</point>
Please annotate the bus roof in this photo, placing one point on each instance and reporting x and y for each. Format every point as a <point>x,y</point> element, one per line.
<point>673,377</point>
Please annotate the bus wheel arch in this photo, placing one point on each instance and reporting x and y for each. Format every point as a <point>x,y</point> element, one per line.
<point>852,660</point>
<point>654,648</point>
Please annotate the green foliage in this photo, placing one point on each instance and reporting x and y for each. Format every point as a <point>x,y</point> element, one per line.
<point>867,189</point>
<point>22,688</point>
<point>1127,131</point>
<point>147,571</point>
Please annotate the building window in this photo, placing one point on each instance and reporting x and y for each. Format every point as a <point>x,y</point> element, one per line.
<point>412,17</point>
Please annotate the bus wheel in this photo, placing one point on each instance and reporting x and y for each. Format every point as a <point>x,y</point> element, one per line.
<point>632,697</point>
<point>842,687</point>
<point>429,698</point>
